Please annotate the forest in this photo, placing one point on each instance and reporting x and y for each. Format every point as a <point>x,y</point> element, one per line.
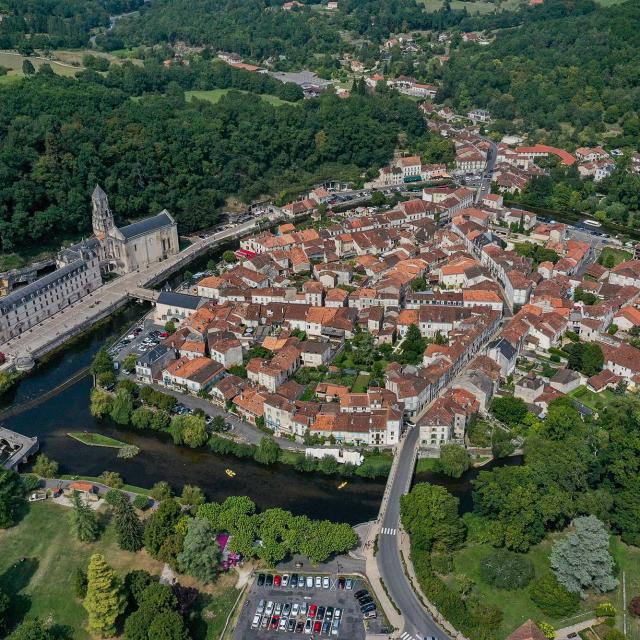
<point>567,77</point>
<point>58,137</point>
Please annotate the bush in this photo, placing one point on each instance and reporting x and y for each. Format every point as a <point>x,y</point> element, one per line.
<point>613,634</point>
<point>141,502</point>
<point>634,606</point>
<point>506,570</point>
<point>605,610</point>
<point>442,563</point>
<point>547,629</point>
<point>552,598</point>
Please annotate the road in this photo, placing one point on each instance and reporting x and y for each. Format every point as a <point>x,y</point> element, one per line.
<point>78,316</point>
<point>417,622</point>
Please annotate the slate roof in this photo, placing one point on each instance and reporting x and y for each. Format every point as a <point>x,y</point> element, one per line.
<point>163,219</point>
<point>182,300</point>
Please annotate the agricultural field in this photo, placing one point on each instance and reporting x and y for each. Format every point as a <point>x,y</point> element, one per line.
<point>215,95</point>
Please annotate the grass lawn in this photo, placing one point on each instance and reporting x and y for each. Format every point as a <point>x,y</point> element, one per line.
<point>595,401</point>
<point>14,62</point>
<point>628,559</point>
<point>516,605</point>
<point>361,384</point>
<point>425,465</point>
<point>97,440</point>
<point>214,95</point>
<point>41,553</point>
<point>619,255</point>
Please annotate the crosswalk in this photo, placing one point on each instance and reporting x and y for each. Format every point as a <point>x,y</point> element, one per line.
<point>388,531</point>
<point>408,636</point>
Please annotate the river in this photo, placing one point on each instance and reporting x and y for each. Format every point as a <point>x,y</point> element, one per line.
<point>314,495</point>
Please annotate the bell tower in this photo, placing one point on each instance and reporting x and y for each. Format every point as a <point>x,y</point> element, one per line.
<point>102,218</point>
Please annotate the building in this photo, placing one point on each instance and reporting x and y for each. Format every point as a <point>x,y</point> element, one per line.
<point>28,306</point>
<point>176,306</point>
<point>227,349</point>
<point>528,631</point>
<point>194,375</point>
<point>151,364</point>
<point>134,246</point>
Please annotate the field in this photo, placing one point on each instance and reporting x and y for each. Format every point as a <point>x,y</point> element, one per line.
<point>517,605</point>
<point>214,95</point>
<point>13,61</point>
<point>97,440</point>
<point>41,553</point>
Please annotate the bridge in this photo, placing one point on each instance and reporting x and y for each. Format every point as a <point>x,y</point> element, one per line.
<point>79,316</point>
<point>387,571</point>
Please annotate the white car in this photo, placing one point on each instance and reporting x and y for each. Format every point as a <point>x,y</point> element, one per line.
<point>303,609</point>
<point>283,624</point>
<point>295,609</point>
<point>256,621</point>
<point>285,580</point>
<point>309,582</point>
<point>337,613</point>
<point>269,609</point>
<point>325,582</point>
<point>318,582</point>
<point>260,608</point>
<point>278,609</point>
<point>335,626</point>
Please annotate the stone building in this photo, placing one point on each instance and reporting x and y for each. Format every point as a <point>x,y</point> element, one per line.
<point>78,275</point>
<point>135,246</point>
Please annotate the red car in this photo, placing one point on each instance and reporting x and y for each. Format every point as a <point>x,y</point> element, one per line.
<point>312,610</point>
<point>164,334</point>
<point>275,621</point>
<point>277,581</point>
<point>317,625</point>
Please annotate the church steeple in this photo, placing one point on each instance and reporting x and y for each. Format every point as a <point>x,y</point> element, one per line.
<point>102,218</point>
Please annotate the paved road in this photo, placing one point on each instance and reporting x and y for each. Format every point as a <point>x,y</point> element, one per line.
<point>418,622</point>
<point>75,318</point>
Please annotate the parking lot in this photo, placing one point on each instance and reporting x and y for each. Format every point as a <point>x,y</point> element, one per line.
<point>140,339</point>
<point>318,606</point>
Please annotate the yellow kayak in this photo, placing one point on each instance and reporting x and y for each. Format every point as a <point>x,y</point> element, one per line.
<point>230,473</point>
<point>342,485</point>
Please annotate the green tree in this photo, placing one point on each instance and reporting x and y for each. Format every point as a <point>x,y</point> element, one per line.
<point>85,523</point>
<point>190,430</point>
<point>105,599</point>
<point>5,602</point>
<point>122,407</point>
<point>552,598</point>
<point>102,363</point>
<point>418,284</point>
<point>328,465</point>
<point>506,570</point>
<point>170,327</point>
<point>267,451</point>
<point>160,525</point>
<point>129,529</point>
<point>33,630</point>
<point>45,467</point>
<point>200,555</point>
<point>12,494</point>
<point>430,514</point>
<point>192,496</point>
<point>112,479</point>
<point>129,363</point>
<point>142,418</point>
<point>27,68</point>
<point>168,625</point>
<point>509,410</point>
<point>79,581</point>
<point>229,256</point>
<point>582,560</point>
<point>454,460</point>
<point>161,490</point>
<point>101,403</point>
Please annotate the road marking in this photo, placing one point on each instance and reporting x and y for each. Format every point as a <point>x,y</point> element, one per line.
<point>408,636</point>
<point>388,531</point>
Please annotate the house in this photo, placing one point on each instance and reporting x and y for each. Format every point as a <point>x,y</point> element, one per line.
<point>225,349</point>
<point>250,404</point>
<point>315,353</point>
<point>479,384</point>
<point>529,388</point>
<point>623,360</point>
<point>176,306</point>
<point>194,375</point>
<point>627,318</point>
<point>528,631</point>
<point>151,364</point>
<point>505,354</point>
<point>606,379</point>
<point>375,428</point>
<point>565,380</point>
<point>87,490</point>
<point>479,115</point>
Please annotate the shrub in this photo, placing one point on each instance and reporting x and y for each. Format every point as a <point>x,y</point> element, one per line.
<point>605,610</point>
<point>442,563</point>
<point>552,598</point>
<point>634,606</point>
<point>141,502</point>
<point>547,629</point>
<point>506,570</point>
<point>613,634</point>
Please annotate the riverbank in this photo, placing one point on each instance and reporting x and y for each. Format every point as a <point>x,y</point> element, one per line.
<point>97,440</point>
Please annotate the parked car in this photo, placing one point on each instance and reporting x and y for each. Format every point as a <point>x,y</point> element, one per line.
<point>261,579</point>
<point>317,626</point>
<point>341,582</point>
<point>337,613</point>
<point>359,594</point>
<point>261,605</point>
<point>313,608</point>
<point>303,609</point>
<point>283,624</point>
<point>309,582</point>
<point>285,580</point>
<point>268,610</point>
<point>329,614</point>
<point>295,609</point>
<point>318,582</point>
<point>348,584</point>
<point>275,621</point>
<point>291,625</point>
<point>265,622</point>
<point>301,582</point>
<point>293,583</point>
<point>300,627</point>
<point>286,609</point>
<point>335,627</point>
<point>368,607</point>
<point>308,625</point>
<point>320,613</point>
<point>256,621</point>
<point>326,627</point>
<point>370,614</point>
<point>277,581</point>
<point>326,583</point>
<point>365,600</point>
<point>268,581</point>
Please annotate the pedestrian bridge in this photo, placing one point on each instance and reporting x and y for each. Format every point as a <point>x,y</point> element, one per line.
<point>140,293</point>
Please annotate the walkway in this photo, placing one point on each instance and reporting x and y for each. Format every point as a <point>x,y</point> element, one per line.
<point>80,315</point>
<point>562,634</point>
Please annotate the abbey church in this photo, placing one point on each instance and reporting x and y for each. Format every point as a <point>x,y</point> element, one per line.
<point>135,246</point>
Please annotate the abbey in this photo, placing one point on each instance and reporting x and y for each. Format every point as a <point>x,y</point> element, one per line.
<point>135,246</point>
